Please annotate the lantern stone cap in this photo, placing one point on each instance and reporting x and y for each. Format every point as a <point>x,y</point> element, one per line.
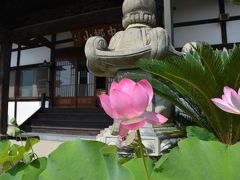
<point>138,5</point>
<point>139,11</point>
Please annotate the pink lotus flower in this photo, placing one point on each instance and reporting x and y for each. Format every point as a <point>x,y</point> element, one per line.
<point>127,102</point>
<point>230,101</point>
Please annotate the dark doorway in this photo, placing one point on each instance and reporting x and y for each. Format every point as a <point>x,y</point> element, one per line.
<point>74,85</point>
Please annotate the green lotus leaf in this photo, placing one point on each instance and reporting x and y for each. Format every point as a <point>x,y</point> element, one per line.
<point>4,147</point>
<point>22,171</point>
<point>30,142</point>
<point>136,166</point>
<point>90,160</point>
<point>200,133</point>
<point>198,160</point>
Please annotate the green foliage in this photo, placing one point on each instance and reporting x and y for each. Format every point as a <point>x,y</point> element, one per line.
<point>15,128</point>
<point>11,154</point>
<point>22,171</point>
<point>235,2</point>
<point>200,133</point>
<point>136,167</point>
<point>29,143</point>
<point>197,159</point>
<point>13,121</point>
<point>89,160</point>
<point>79,159</point>
<point>192,80</point>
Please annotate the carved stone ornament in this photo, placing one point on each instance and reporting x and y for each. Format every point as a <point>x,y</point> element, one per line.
<point>139,40</point>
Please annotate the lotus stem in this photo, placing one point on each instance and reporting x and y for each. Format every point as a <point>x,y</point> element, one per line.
<point>142,154</point>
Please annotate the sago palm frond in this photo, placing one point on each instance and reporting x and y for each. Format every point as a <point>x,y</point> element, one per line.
<point>235,2</point>
<point>188,77</point>
<point>213,63</point>
<point>232,69</point>
<point>201,75</point>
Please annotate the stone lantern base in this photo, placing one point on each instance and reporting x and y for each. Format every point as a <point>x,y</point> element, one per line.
<point>156,140</point>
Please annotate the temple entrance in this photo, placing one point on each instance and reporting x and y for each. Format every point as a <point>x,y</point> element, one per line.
<point>74,85</point>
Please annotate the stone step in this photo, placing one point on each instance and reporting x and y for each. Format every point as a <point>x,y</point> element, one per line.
<point>89,116</point>
<point>73,110</point>
<point>62,130</point>
<point>67,120</point>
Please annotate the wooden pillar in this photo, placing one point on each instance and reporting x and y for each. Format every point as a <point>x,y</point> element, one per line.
<point>223,17</point>
<point>52,72</point>
<point>168,22</point>
<point>5,58</point>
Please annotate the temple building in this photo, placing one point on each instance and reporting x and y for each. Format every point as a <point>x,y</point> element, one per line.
<point>44,80</point>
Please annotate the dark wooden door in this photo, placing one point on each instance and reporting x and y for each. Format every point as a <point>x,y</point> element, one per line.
<point>74,85</point>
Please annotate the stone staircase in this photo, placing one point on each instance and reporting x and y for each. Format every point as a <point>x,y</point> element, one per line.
<point>74,121</point>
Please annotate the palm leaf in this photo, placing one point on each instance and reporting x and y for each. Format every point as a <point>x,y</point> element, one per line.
<point>235,2</point>
<point>213,63</point>
<point>199,76</point>
<point>191,81</point>
<point>187,77</point>
<point>232,69</point>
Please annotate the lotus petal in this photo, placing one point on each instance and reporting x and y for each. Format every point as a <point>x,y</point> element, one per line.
<point>133,120</point>
<point>227,94</point>
<point>235,98</point>
<point>114,86</point>
<point>133,126</point>
<point>122,104</point>
<point>123,132</point>
<point>154,118</point>
<point>224,106</point>
<point>148,88</point>
<point>140,99</point>
<point>106,104</point>
<point>127,86</point>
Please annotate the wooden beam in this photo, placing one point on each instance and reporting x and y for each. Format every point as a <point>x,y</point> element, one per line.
<point>44,41</point>
<point>35,42</point>
<point>1,37</point>
<point>5,57</point>
<point>67,23</point>
<point>2,34</point>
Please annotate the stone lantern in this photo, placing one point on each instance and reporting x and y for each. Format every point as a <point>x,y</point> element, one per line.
<point>139,39</point>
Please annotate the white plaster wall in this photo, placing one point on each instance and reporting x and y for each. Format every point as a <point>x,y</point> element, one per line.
<point>233,31</point>
<point>191,10</point>
<point>14,58</point>
<point>35,55</point>
<point>64,45</point>
<point>14,46</point>
<point>26,109</point>
<point>11,110</point>
<point>46,104</point>
<point>210,33</point>
<point>48,37</point>
<point>63,35</point>
<point>232,9</point>
<point>233,27</point>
